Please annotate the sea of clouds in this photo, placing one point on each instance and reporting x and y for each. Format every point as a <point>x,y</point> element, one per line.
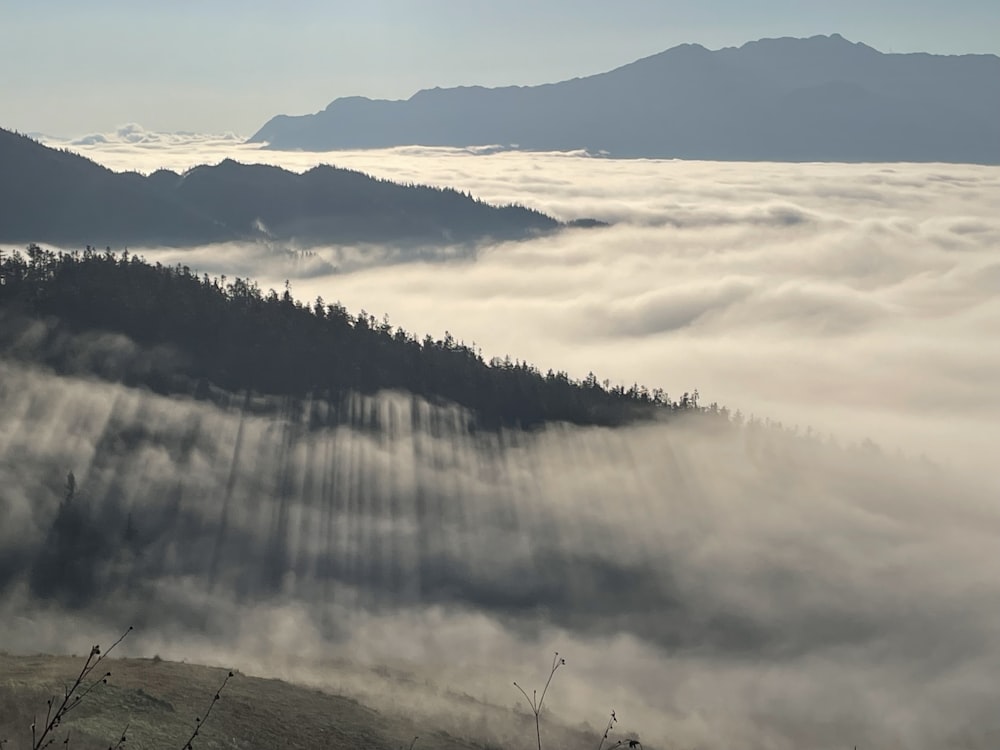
<point>717,589</point>
<point>855,299</point>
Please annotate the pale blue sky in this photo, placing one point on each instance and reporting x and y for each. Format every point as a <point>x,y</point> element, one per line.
<point>218,65</point>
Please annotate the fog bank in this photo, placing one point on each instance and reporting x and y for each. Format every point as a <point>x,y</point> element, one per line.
<point>713,585</point>
<point>716,587</point>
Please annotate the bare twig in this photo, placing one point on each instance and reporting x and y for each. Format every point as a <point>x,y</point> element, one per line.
<point>604,738</point>
<point>121,740</point>
<point>72,697</point>
<point>199,722</point>
<point>535,702</point>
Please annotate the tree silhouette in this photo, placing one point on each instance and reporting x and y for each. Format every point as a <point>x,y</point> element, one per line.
<point>233,336</point>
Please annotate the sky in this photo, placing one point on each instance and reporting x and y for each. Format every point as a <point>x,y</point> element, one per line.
<point>226,66</point>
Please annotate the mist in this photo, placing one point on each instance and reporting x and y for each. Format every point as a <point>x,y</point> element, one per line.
<point>710,584</point>
<point>852,299</point>
<point>717,586</point>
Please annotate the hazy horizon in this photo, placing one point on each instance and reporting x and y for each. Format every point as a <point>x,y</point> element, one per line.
<point>240,64</point>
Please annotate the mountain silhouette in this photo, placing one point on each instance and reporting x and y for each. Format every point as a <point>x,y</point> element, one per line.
<point>60,197</point>
<point>817,99</point>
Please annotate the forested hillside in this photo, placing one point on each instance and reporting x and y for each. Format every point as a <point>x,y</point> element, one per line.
<point>198,334</point>
<point>61,197</point>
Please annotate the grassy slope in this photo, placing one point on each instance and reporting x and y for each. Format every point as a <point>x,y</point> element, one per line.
<point>161,699</point>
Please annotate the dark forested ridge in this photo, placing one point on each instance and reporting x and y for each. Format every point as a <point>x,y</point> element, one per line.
<point>60,197</point>
<point>817,99</point>
<point>198,334</point>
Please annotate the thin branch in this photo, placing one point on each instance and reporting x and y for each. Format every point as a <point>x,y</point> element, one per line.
<point>200,722</point>
<point>121,740</point>
<point>535,702</point>
<point>556,663</point>
<point>530,703</point>
<point>611,722</point>
<point>71,698</point>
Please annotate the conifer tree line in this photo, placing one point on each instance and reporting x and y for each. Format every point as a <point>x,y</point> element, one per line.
<point>232,335</point>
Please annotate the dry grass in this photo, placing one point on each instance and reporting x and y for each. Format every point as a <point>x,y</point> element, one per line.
<point>161,700</point>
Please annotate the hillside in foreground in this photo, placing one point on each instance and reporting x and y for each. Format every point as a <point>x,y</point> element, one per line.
<point>159,701</point>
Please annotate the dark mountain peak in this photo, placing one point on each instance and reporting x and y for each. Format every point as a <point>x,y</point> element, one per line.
<point>688,48</point>
<point>226,166</point>
<point>438,92</point>
<point>231,169</point>
<point>164,179</point>
<point>233,166</point>
<point>60,196</point>
<point>675,55</point>
<point>820,44</point>
<point>821,98</point>
<point>816,41</point>
<point>64,198</point>
<point>18,147</point>
<point>13,139</point>
<point>321,170</point>
<point>325,173</point>
<point>341,101</point>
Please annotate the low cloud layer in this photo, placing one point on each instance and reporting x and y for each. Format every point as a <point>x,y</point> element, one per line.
<point>854,299</point>
<point>131,138</point>
<point>742,589</point>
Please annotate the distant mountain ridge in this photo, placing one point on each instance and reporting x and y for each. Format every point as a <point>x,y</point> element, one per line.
<point>817,99</point>
<point>57,196</point>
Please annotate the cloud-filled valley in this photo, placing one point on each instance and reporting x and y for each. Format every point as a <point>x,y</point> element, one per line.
<point>710,583</point>
<point>853,299</point>
<point>717,587</point>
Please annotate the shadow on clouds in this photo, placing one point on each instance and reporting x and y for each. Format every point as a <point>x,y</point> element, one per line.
<point>725,554</point>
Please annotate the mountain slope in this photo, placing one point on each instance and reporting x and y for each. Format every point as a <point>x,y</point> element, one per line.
<point>54,196</point>
<point>330,203</point>
<point>235,337</point>
<point>57,196</point>
<point>821,98</point>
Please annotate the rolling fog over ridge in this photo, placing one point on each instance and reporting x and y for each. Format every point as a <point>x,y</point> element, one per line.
<point>713,585</point>
<point>718,590</point>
